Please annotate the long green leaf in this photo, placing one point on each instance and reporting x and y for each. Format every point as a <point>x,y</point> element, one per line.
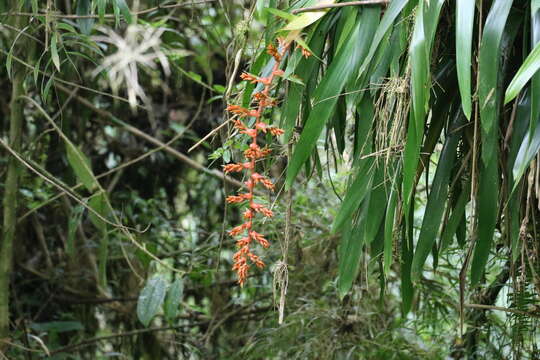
<point>489,100</point>
<point>535,82</point>
<point>389,227</point>
<point>349,259</point>
<point>455,219</point>
<point>325,98</point>
<point>81,166</point>
<point>84,7</point>
<point>464,33</point>
<point>390,15</point>
<point>355,194</point>
<point>528,69</point>
<point>488,191</point>
<point>54,51</point>
<point>488,67</point>
<point>304,70</point>
<point>427,16</point>
<point>436,200</point>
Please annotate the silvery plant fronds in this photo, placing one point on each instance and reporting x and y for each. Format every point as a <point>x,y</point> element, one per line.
<point>139,48</point>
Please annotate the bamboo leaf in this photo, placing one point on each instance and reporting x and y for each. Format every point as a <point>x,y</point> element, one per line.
<point>390,15</point>
<point>488,191</point>
<point>282,14</point>
<point>488,67</point>
<point>464,33</point>
<point>389,228</point>
<point>427,16</point>
<point>81,166</point>
<point>455,219</point>
<point>528,150</point>
<point>535,82</point>
<point>304,70</point>
<point>54,51</point>
<point>349,260</point>
<point>124,10</point>
<point>84,7</point>
<point>305,19</point>
<point>355,194</point>
<point>436,200</point>
<point>407,289</point>
<point>101,5</point>
<point>527,70</point>
<point>325,98</point>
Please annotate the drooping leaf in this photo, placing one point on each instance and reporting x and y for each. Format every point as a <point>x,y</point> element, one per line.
<point>173,299</point>
<point>282,14</point>
<point>464,33</point>
<point>355,194</point>
<point>488,67</point>
<point>535,82</point>
<point>54,51</point>
<point>528,69</point>
<point>304,70</point>
<point>150,299</point>
<point>330,87</point>
<point>389,226</point>
<point>455,219</point>
<point>81,166</point>
<point>436,200</point>
<point>488,199</point>
<point>307,18</point>
<point>84,7</point>
<point>124,10</point>
<point>427,16</point>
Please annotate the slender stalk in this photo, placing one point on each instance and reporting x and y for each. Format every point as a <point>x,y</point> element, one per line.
<point>10,195</point>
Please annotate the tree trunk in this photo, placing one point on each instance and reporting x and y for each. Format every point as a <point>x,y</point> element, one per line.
<point>11,189</point>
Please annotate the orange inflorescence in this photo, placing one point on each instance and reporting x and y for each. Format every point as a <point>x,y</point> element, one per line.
<point>263,101</point>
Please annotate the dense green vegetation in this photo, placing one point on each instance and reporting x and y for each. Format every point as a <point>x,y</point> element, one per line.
<point>406,181</point>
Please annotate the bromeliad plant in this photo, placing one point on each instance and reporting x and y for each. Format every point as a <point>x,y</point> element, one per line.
<point>254,153</point>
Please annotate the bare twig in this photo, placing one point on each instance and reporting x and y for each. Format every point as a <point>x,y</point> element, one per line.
<point>331,6</point>
<point>208,135</point>
<point>91,341</point>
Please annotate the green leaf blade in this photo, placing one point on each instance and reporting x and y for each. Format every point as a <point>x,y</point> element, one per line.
<point>150,299</point>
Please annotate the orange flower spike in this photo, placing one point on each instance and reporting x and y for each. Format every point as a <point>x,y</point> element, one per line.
<point>305,52</point>
<point>248,214</point>
<point>254,152</point>
<point>276,131</point>
<point>260,239</point>
<point>248,77</point>
<point>237,230</point>
<point>261,126</point>
<point>259,208</point>
<point>232,168</point>
<point>239,125</point>
<point>271,50</point>
<point>249,132</point>
<point>232,199</point>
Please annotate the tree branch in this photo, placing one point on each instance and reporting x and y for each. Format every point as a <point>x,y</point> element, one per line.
<point>331,6</point>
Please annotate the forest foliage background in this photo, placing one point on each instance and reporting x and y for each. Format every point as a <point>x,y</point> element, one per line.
<point>406,179</point>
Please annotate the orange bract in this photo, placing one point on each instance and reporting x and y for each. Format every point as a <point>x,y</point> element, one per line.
<point>254,152</point>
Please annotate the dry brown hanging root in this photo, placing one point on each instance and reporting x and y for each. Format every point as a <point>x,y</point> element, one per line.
<point>262,100</point>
